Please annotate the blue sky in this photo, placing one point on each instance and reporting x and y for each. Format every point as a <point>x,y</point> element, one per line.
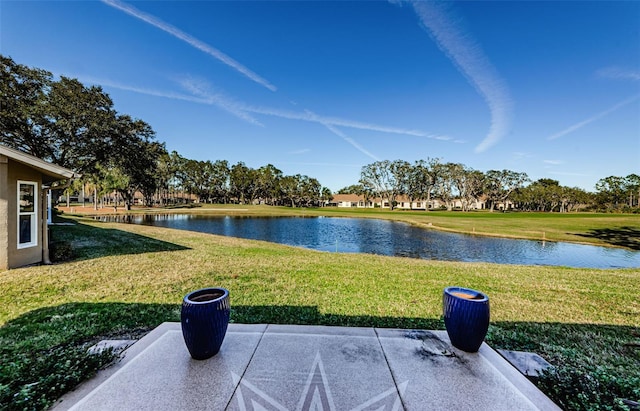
<point>322,88</point>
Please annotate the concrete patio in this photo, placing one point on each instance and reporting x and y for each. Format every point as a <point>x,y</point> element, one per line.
<point>288,367</point>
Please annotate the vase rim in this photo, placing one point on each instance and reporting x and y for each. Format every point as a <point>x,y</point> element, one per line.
<point>218,290</point>
<point>477,296</point>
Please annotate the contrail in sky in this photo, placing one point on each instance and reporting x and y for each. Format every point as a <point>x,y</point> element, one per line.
<point>349,140</point>
<point>217,100</point>
<point>594,118</point>
<point>192,41</point>
<point>314,118</point>
<point>241,110</point>
<point>197,88</point>
<point>140,90</point>
<point>609,72</point>
<point>471,61</point>
<point>618,73</point>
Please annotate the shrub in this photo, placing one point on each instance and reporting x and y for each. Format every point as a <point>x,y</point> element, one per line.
<point>60,251</point>
<point>596,389</point>
<point>35,380</point>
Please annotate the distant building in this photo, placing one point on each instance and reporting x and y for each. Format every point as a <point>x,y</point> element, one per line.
<point>351,200</point>
<point>402,203</point>
<point>24,184</point>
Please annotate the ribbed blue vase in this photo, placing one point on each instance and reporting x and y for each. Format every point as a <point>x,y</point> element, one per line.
<point>204,318</point>
<point>466,317</point>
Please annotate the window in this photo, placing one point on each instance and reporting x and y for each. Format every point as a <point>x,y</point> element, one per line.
<point>27,213</point>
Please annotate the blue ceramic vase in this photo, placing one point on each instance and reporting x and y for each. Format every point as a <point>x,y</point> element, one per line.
<point>466,317</point>
<point>204,318</point>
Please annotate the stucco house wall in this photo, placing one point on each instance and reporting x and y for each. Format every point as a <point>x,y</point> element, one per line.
<point>17,257</point>
<point>4,212</point>
<point>17,167</point>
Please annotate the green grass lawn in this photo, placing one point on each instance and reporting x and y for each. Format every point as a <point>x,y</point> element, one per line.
<point>127,279</point>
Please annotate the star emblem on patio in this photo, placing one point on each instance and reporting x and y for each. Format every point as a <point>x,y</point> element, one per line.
<point>316,395</point>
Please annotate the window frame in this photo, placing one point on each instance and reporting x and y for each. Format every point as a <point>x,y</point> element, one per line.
<point>32,214</point>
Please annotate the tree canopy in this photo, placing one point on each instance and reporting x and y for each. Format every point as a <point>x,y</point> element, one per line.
<point>75,126</point>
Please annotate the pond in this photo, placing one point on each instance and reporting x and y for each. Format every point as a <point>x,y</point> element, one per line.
<point>358,235</point>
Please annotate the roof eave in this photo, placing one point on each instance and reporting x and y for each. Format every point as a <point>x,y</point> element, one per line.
<point>52,171</point>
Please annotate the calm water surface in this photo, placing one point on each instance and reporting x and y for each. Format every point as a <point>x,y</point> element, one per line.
<point>358,235</point>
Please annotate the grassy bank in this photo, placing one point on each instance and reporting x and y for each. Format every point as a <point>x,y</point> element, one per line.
<point>126,279</point>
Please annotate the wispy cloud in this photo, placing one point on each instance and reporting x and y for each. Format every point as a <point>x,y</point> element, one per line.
<point>569,173</point>
<point>471,61</point>
<point>619,73</point>
<point>518,155</point>
<point>320,164</point>
<point>593,118</point>
<point>192,41</point>
<point>553,162</point>
<point>301,151</point>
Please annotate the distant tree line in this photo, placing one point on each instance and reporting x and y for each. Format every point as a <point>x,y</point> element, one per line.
<point>431,179</point>
<point>218,182</point>
<point>454,182</point>
<point>77,127</point>
<point>618,193</point>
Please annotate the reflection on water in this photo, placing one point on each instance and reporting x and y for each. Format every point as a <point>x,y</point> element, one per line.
<point>356,235</point>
